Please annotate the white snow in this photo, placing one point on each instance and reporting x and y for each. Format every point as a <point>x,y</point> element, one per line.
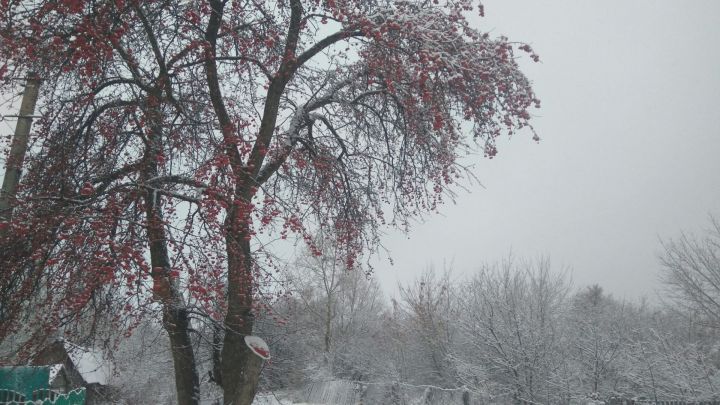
<point>258,346</point>
<point>90,363</point>
<point>272,400</point>
<point>54,371</point>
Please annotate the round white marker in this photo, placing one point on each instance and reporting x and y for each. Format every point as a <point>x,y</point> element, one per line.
<point>258,346</point>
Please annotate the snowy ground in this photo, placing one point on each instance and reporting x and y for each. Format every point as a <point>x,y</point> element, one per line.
<point>270,399</point>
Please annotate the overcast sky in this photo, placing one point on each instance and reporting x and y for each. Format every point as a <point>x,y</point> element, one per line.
<point>630,149</point>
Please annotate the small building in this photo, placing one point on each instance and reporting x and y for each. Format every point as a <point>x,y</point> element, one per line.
<point>83,368</point>
<point>46,385</point>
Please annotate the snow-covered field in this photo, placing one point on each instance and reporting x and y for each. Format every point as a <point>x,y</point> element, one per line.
<point>270,399</point>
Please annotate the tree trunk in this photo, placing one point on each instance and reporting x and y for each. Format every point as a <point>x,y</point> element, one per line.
<point>175,314</point>
<point>176,323</point>
<point>328,329</point>
<point>240,366</point>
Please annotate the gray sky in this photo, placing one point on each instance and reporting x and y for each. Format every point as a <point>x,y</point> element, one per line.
<point>630,148</point>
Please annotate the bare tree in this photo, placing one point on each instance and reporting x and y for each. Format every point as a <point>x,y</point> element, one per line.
<point>511,329</point>
<point>662,360</point>
<point>430,308</point>
<point>691,271</point>
<point>597,324</point>
<point>342,306</point>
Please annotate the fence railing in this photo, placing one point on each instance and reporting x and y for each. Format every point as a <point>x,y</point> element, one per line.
<point>614,401</point>
<point>365,393</point>
<point>43,397</point>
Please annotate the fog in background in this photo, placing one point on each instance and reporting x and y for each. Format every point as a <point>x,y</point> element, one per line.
<point>630,148</point>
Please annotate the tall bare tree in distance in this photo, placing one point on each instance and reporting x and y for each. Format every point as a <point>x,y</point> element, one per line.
<point>691,271</point>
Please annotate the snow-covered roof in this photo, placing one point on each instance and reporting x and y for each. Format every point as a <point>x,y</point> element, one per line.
<point>92,365</point>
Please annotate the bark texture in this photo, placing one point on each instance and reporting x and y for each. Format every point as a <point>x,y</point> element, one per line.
<point>175,313</point>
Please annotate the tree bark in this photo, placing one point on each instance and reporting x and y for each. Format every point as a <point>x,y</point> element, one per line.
<point>175,315</point>
<point>328,326</point>
<point>240,366</point>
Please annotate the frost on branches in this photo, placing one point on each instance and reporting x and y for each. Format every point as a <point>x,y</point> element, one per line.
<point>175,135</point>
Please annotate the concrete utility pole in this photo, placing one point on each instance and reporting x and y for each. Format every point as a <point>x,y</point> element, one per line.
<point>18,147</point>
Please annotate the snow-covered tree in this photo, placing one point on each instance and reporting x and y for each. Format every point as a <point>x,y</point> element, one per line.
<point>597,330</point>
<point>511,330</point>
<point>691,271</point>
<point>343,308</point>
<point>176,136</point>
<point>429,312</point>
